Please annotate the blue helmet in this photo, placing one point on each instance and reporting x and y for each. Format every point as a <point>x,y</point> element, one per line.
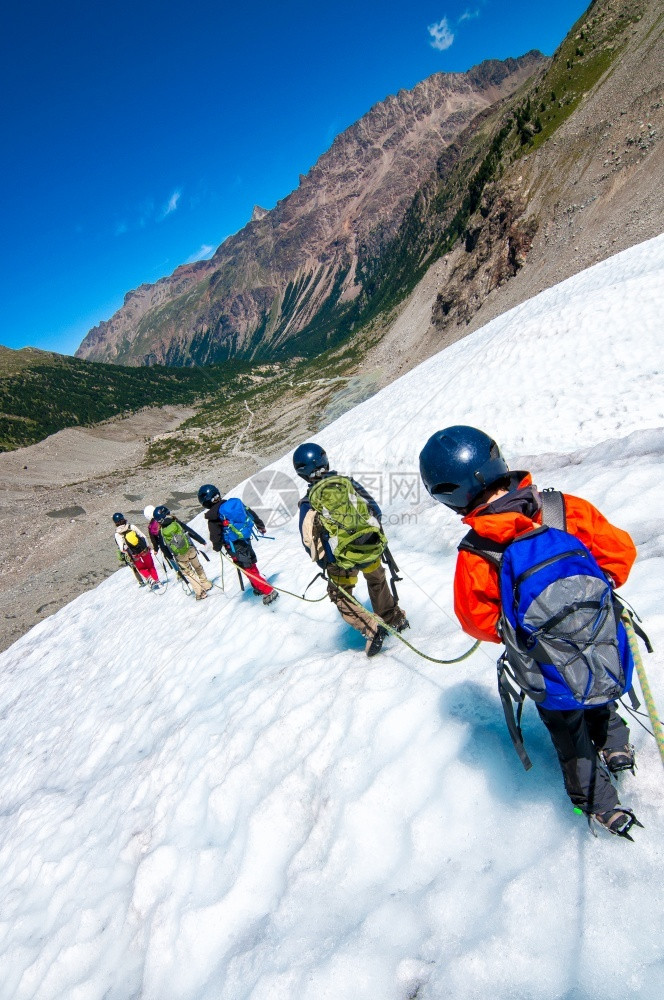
<point>458,463</point>
<point>208,495</point>
<point>310,461</point>
<point>119,519</point>
<point>161,513</point>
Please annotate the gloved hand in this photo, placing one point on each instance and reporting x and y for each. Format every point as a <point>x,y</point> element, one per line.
<point>262,530</point>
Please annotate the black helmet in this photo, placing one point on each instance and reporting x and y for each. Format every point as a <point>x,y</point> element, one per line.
<point>458,463</point>
<point>208,495</point>
<point>310,461</point>
<point>119,519</point>
<point>161,512</point>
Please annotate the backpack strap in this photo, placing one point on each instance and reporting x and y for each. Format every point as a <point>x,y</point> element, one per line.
<point>554,514</point>
<point>509,696</point>
<point>509,691</point>
<point>487,548</point>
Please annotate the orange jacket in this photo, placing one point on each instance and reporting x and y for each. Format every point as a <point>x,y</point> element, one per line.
<point>476,586</point>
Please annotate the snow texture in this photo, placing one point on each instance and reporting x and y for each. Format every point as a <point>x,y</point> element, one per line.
<point>221,801</point>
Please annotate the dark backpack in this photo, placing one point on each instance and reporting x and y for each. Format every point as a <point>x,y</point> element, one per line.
<point>134,543</point>
<point>565,644</point>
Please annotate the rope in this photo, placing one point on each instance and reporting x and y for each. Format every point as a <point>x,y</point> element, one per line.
<point>376,618</point>
<point>392,631</point>
<point>280,590</point>
<point>658,731</point>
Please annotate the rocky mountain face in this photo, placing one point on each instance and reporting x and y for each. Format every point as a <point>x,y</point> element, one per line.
<point>587,180</point>
<point>566,173</point>
<point>492,185</point>
<point>286,281</point>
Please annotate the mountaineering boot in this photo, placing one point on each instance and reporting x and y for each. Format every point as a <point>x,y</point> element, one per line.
<point>375,641</point>
<point>202,595</point>
<point>618,821</point>
<point>400,623</point>
<point>272,596</point>
<point>620,759</point>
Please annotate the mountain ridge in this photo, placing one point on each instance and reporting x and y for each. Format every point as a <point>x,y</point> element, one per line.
<point>265,283</point>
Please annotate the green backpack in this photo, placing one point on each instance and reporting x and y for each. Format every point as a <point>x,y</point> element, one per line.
<point>176,538</point>
<point>355,534</point>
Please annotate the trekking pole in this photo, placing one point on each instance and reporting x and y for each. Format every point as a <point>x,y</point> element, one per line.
<point>166,580</point>
<point>179,575</point>
<point>137,576</point>
<point>281,590</point>
<point>240,578</point>
<point>201,553</point>
<point>657,729</point>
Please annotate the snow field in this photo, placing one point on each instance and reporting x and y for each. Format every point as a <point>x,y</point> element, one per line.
<point>219,801</point>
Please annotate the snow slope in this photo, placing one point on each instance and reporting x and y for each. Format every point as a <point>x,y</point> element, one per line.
<point>219,801</point>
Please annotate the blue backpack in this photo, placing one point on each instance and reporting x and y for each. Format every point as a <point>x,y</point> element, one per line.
<point>240,523</point>
<point>565,644</point>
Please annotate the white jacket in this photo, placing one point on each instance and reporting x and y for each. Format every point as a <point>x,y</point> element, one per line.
<point>122,531</point>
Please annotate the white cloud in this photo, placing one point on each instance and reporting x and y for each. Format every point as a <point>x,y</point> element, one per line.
<point>441,36</point>
<point>469,15</point>
<point>203,253</point>
<point>121,228</point>
<point>171,205</point>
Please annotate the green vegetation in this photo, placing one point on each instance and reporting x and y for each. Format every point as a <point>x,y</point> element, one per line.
<point>41,392</point>
<point>588,51</point>
<point>218,428</point>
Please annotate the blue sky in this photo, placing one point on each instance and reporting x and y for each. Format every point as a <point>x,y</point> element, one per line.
<point>139,135</point>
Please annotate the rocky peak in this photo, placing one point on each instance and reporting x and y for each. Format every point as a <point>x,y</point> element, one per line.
<point>287,274</point>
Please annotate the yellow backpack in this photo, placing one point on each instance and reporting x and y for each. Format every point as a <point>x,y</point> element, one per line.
<point>134,542</point>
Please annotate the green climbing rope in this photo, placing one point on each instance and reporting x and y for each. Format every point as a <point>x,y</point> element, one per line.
<point>657,729</point>
<point>376,618</point>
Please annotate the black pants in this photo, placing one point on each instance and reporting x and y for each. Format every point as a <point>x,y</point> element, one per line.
<point>243,553</point>
<point>577,735</point>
